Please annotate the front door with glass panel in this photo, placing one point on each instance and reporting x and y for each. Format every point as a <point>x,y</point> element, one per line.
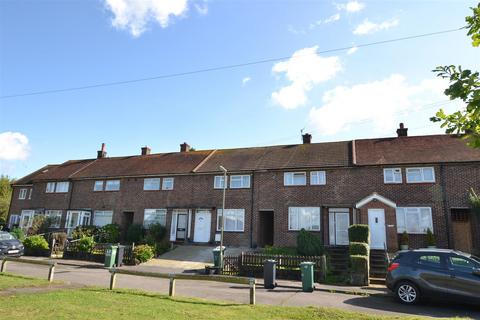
<point>339,220</point>
<point>181,226</point>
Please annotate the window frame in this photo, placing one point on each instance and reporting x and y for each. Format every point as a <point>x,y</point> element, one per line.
<point>102,185</point>
<point>146,182</point>
<point>290,228</point>
<point>236,212</point>
<point>50,187</point>
<point>241,177</point>
<point>293,173</point>
<point>162,211</point>
<point>316,173</point>
<point>419,209</point>
<point>62,183</point>
<point>106,185</point>
<point>216,186</point>
<point>22,194</point>
<point>168,179</point>
<point>393,172</point>
<point>422,174</point>
<point>55,214</point>
<point>102,212</point>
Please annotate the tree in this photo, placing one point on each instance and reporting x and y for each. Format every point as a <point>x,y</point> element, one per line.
<point>5,195</point>
<point>464,85</point>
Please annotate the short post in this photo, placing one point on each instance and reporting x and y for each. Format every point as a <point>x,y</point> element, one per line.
<point>4,265</point>
<point>323,268</point>
<point>113,278</point>
<point>251,283</point>
<point>171,288</point>
<point>51,272</point>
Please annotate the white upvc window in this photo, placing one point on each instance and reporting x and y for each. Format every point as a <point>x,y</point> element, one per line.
<point>102,217</point>
<point>392,175</point>
<point>239,181</point>
<point>167,184</point>
<point>415,220</point>
<point>55,217</point>
<point>152,216</point>
<point>151,184</point>
<point>219,182</point>
<point>318,178</point>
<point>294,179</point>
<point>234,220</point>
<point>98,186</point>
<point>26,218</point>
<point>62,187</point>
<point>14,220</point>
<point>76,218</point>
<point>50,187</point>
<point>307,218</point>
<point>22,195</point>
<point>112,185</point>
<point>421,174</point>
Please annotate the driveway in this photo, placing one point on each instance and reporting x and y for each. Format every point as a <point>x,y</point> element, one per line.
<point>287,294</point>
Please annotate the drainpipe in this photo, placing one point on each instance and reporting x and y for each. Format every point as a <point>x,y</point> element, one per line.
<point>444,203</point>
<point>252,208</point>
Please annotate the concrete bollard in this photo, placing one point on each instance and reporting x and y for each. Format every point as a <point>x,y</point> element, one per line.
<point>251,283</point>
<point>171,288</point>
<point>51,272</point>
<point>113,278</point>
<point>4,266</point>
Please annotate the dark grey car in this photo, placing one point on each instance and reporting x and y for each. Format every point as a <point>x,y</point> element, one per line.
<point>434,273</point>
<point>9,245</point>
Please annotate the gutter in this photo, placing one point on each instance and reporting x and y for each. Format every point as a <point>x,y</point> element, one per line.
<point>252,208</point>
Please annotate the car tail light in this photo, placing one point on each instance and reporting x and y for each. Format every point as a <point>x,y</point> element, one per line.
<point>393,266</point>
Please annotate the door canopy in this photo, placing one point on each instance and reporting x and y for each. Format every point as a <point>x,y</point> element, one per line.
<point>375,196</point>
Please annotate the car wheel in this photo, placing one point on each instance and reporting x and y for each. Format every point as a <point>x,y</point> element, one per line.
<point>407,293</point>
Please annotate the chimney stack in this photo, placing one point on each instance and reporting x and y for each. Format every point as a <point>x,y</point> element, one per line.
<point>184,147</point>
<point>307,138</point>
<point>102,153</point>
<point>402,131</point>
<point>146,151</point>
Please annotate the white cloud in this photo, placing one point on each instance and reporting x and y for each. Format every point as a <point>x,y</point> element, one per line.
<point>245,80</point>
<point>134,15</point>
<point>304,70</point>
<point>201,8</point>
<point>379,102</point>
<point>13,146</point>
<point>332,18</point>
<point>351,6</point>
<point>367,27</point>
<point>352,50</point>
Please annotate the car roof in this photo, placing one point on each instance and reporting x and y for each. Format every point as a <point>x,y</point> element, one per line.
<point>436,250</point>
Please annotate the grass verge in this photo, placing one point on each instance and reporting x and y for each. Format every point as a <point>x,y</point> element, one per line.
<point>8,280</point>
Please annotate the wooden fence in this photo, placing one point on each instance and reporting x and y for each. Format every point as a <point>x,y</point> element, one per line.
<point>250,264</point>
<point>50,264</point>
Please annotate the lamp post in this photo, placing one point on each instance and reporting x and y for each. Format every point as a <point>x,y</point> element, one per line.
<point>223,215</point>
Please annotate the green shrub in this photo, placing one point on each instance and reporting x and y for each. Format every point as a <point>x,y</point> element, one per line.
<point>86,244</point>
<point>359,264</point>
<point>143,253</point>
<point>430,238</point>
<point>155,234</point>
<point>35,242</point>
<point>83,231</point>
<point>109,233</point>
<point>309,244</point>
<point>359,233</point>
<point>358,249</point>
<point>404,239</point>
<point>135,233</point>
<point>285,251</point>
<point>40,224</point>
<point>18,234</point>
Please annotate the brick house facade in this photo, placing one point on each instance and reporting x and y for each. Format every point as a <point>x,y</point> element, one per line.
<point>335,184</point>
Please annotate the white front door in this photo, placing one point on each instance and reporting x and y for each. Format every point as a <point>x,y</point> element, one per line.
<point>339,220</point>
<point>203,222</point>
<point>376,222</point>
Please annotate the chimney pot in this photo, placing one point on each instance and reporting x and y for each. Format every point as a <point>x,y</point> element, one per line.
<point>307,138</point>
<point>102,153</point>
<point>402,131</point>
<point>184,147</point>
<point>146,151</point>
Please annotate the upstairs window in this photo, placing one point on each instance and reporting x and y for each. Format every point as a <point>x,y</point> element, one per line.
<point>317,178</point>
<point>239,181</point>
<point>22,195</point>
<point>167,184</point>
<point>112,185</point>
<point>294,178</point>
<point>219,182</point>
<point>307,218</point>
<point>98,186</point>
<point>50,187</point>
<point>414,220</point>
<point>392,175</point>
<point>152,216</point>
<point>419,175</point>
<point>151,184</point>
<point>62,186</point>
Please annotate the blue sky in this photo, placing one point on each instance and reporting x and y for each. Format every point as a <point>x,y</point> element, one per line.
<point>48,45</point>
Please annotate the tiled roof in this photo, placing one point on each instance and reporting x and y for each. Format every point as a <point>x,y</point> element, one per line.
<point>416,149</point>
<point>280,157</point>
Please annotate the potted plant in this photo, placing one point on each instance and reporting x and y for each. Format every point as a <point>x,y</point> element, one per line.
<point>404,241</point>
<point>431,242</point>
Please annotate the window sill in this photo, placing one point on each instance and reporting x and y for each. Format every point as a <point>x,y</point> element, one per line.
<point>225,231</point>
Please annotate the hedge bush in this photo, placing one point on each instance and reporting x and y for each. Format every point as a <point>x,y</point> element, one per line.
<point>155,234</point>
<point>359,233</point>
<point>86,244</point>
<point>135,233</point>
<point>109,233</point>
<point>83,231</point>
<point>143,253</point>
<point>309,244</point>
<point>18,234</point>
<point>35,242</point>
<point>358,249</point>
<point>359,264</point>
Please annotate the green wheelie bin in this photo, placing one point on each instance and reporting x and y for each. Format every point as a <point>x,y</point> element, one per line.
<point>307,276</point>
<point>110,256</point>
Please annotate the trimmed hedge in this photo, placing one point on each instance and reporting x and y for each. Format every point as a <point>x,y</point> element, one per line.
<point>359,264</point>
<point>358,249</point>
<point>309,244</point>
<point>359,233</point>
<point>35,242</point>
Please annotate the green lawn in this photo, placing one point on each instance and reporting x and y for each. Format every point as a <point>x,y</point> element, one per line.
<point>13,281</point>
<point>126,304</point>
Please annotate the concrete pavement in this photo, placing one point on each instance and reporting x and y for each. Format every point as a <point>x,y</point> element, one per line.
<point>287,294</point>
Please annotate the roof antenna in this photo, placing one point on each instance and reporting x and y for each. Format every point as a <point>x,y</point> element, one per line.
<point>301,132</point>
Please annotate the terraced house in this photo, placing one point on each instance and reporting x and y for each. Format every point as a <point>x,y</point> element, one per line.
<point>392,184</point>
